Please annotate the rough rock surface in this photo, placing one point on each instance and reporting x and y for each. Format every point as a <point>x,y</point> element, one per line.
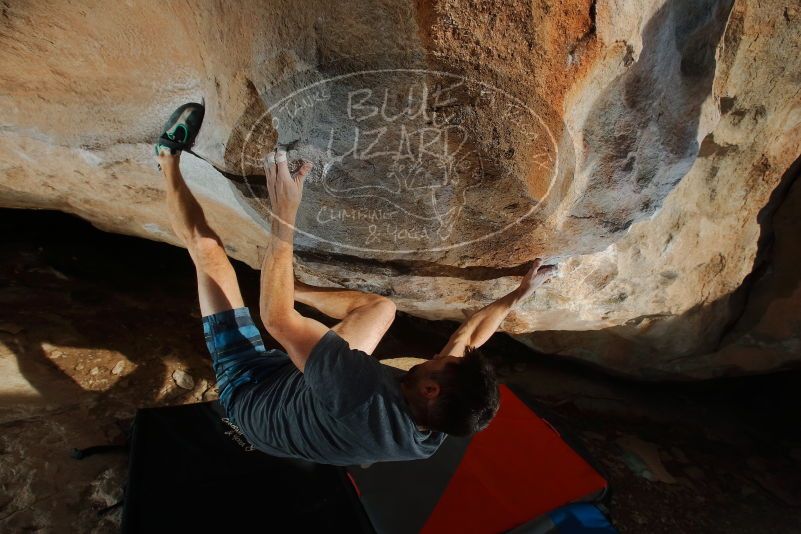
<point>638,143</point>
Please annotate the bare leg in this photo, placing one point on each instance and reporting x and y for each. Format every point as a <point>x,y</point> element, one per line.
<point>365,317</point>
<point>218,288</point>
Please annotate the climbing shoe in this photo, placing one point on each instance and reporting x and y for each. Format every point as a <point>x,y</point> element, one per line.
<point>180,130</point>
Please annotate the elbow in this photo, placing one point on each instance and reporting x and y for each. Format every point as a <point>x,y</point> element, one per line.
<point>269,324</point>
<point>273,322</point>
<point>386,306</point>
<point>384,311</point>
<point>278,330</point>
<point>383,306</point>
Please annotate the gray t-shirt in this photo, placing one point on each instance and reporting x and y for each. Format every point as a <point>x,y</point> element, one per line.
<point>346,408</point>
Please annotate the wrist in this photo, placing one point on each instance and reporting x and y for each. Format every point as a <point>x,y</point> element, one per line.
<point>522,293</point>
<point>283,228</point>
<point>286,215</point>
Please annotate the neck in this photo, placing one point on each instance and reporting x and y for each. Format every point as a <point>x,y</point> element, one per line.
<point>413,405</point>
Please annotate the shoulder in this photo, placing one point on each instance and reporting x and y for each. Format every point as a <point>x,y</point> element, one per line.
<point>341,378</point>
<point>330,342</point>
<point>332,352</point>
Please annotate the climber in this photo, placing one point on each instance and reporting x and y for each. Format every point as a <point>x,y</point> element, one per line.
<point>323,398</point>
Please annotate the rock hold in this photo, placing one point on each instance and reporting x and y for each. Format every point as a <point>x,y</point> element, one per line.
<point>183,379</point>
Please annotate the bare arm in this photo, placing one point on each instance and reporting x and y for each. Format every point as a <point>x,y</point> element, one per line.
<point>296,333</point>
<point>481,325</point>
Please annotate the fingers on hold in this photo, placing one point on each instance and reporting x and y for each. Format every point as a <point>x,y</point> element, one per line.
<point>281,161</point>
<point>269,160</point>
<point>304,170</point>
<point>269,164</point>
<point>549,270</point>
<point>282,165</point>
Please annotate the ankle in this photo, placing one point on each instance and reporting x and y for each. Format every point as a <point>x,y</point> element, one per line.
<point>167,160</point>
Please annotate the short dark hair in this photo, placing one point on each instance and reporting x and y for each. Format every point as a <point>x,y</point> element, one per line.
<point>468,397</point>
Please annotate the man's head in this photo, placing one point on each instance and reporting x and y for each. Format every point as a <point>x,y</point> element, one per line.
<point>458,396</point>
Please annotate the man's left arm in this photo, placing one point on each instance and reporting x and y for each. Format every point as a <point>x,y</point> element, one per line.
<point>481,325</point>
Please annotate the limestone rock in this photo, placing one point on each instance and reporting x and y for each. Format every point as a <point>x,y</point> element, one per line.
<point>183,379</point>
<point>638,143</point>
<point>118,368</point>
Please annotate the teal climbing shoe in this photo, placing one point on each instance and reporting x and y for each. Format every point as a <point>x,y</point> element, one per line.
<point>181,129</point>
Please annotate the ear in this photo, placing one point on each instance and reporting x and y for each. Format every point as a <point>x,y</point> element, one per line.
<point>429,389</point>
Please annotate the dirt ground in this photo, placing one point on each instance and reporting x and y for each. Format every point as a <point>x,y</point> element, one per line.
<point>94,326</point>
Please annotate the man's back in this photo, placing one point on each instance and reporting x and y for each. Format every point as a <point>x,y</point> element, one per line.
<point>345,408</point>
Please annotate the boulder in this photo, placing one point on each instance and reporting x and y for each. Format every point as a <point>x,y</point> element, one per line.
<point>645,146</point>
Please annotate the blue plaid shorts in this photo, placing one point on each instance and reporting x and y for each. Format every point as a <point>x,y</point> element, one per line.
<point>238,355</point>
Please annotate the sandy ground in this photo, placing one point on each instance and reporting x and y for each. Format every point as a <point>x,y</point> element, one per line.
<point>94,326</point>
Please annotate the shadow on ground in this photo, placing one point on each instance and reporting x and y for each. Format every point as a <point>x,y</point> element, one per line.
<point>93,326</point>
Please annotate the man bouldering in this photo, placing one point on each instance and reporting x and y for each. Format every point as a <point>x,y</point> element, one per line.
<point>324,398</point>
